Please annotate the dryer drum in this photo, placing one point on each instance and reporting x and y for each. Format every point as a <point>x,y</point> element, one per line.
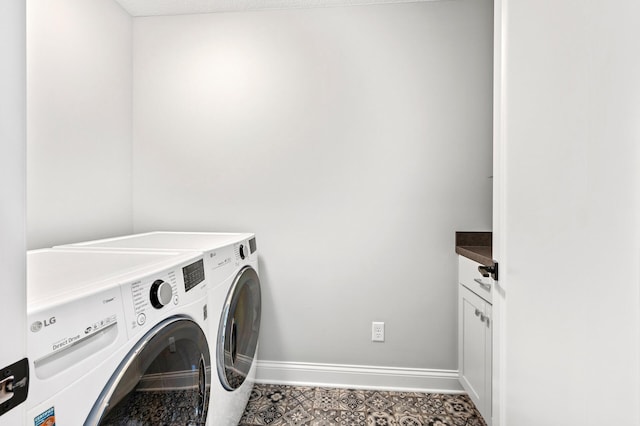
<point>239,329</point>
<point>165,379</point>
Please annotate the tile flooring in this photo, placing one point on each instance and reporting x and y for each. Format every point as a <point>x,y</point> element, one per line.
<point>155,408</point>
<point>278,405</point>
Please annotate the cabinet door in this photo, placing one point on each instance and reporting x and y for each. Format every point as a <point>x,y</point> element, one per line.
<point>486,411</point>
<point>474,349</point>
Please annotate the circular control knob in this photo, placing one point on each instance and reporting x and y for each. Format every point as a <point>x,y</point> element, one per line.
<point>161,293</point>
<point>241,251</point>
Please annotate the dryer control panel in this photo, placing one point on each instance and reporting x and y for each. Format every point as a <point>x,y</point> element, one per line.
<point>222,263</point>
<point>245,249</point>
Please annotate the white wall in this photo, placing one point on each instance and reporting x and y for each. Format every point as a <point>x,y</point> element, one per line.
<point>570,208</point>
<point>79,121</point>
<point>353,140</point>
<point>12,190</point>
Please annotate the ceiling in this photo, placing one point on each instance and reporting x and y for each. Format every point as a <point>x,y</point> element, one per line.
<point>182,7</point>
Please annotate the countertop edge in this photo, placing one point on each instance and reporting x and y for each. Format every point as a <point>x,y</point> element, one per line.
<point>480,254</point>
<point>475,245</point>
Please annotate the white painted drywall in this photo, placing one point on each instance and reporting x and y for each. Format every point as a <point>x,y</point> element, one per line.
<point>353,140</point>
<point>79,121</point>
<point>568,226</point>
<point>12,190</point>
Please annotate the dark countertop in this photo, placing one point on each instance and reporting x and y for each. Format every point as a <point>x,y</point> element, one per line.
<point>476,246</point>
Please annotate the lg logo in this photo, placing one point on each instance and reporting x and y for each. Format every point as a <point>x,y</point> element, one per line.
<point>37,326</point>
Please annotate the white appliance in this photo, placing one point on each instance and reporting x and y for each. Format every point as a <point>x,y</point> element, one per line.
<point>116,337</point>
<point>231,267</point>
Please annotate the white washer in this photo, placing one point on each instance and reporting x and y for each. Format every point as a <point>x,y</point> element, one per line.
<point>115,334</point>
<point>231,265</point>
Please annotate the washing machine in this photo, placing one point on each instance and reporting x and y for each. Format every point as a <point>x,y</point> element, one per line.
<point>231,267</point>
<point>117,337</point>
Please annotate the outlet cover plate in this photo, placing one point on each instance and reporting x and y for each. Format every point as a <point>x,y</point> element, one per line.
<point>377,331</point>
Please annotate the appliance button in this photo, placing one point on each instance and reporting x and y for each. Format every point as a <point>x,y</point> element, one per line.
<point>160,294</point>
<point>142,318</point>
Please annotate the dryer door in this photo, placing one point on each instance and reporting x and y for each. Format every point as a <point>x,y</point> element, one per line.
<point>165,379</point>
<point>239,328</point>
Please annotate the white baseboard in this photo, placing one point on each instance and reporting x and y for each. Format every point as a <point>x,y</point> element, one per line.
<point>358,377</point>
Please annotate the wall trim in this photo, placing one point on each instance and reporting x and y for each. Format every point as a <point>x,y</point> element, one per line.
<point>358,377</point>
<point>137,8</point>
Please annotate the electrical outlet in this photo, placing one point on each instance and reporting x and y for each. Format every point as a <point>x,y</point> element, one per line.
<point>377,331</point>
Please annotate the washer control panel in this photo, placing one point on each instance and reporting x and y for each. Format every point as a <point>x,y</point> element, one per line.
<point>193,274</point>
<point>151,298</point>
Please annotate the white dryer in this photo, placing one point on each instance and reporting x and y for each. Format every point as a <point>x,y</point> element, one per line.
<point>231,267</point>
<point>117,337</point>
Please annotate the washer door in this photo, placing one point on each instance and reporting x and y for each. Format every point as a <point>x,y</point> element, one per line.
<point>239,328</point>
<point>165,379</point>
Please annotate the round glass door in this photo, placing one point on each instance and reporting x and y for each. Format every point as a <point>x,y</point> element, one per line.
<point>165,379</point>
<point>239,328</point>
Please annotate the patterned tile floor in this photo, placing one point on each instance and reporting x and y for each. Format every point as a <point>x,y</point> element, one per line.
<point>277,405</point>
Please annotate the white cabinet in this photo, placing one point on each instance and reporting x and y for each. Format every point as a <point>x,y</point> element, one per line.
<point>474,335</point>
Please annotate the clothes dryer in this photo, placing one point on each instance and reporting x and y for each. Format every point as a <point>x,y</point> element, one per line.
<point>117,337</point>
<point>231,267</point>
